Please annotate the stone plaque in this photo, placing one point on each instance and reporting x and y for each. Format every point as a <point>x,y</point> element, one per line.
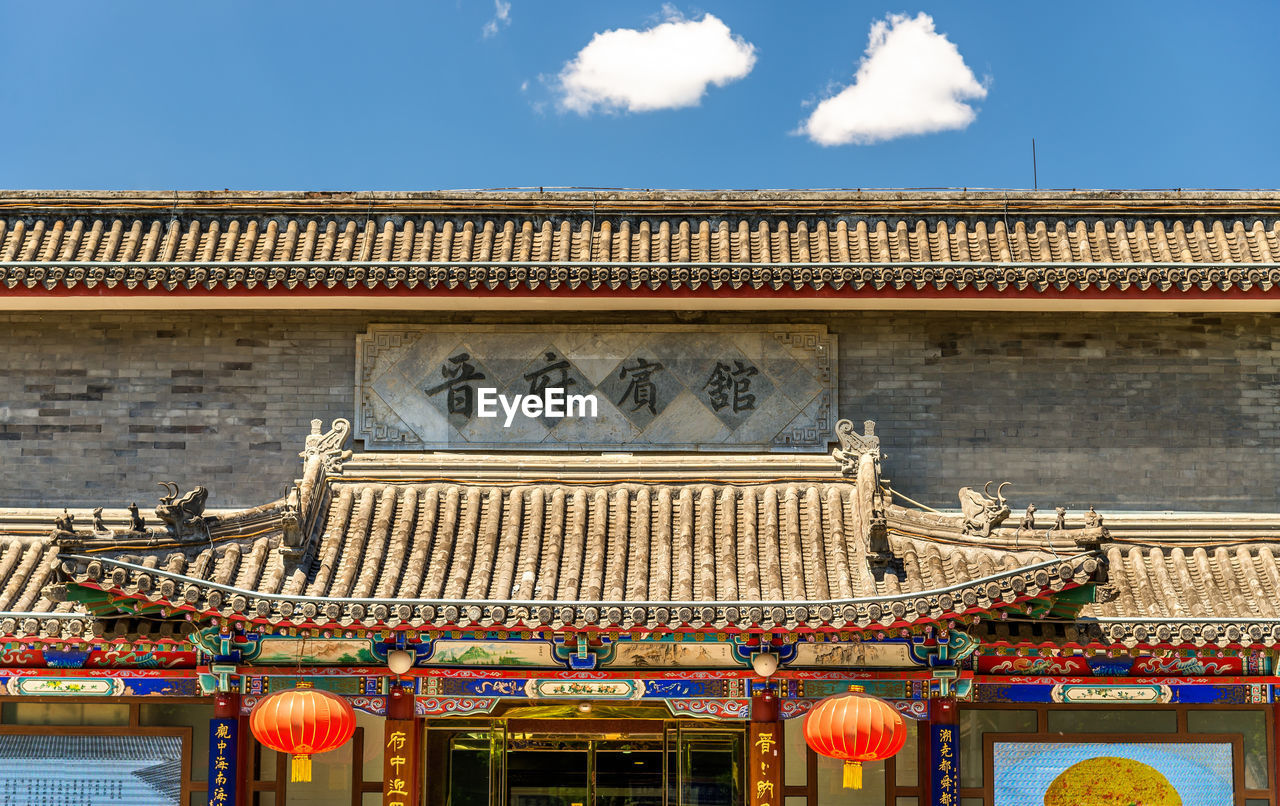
<point>668,388</point>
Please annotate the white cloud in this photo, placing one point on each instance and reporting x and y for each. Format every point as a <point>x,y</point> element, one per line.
<point>667,66</point>
<point>912,80</point>
<point>501,17</point>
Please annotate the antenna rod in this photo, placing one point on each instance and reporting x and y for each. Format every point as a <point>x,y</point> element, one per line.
<point>1035,178</point>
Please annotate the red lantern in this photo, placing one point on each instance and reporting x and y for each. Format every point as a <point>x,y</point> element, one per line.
<point>855,727</point>
<point>302,722</point>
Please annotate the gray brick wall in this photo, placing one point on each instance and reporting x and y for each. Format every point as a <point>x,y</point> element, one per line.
<point>1124,411</point>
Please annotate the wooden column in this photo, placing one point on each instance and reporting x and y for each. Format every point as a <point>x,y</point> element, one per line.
<point>226,752</point>
<point>244,795</point>
<point>401,758</point>
<point>1274,748</point>
<point>944,752</point>
<point>764,756</point>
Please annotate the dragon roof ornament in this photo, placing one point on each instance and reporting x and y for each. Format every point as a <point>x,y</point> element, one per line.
<point>854,445</point>
<point>329,446</point>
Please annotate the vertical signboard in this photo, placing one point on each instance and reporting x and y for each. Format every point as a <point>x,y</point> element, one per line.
<point>944,764</point>
<point>764,784</point>
<point>400,763</point>
<point>223,758</point>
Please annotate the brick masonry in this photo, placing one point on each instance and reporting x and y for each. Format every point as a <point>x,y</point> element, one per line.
<point>1124,411</point>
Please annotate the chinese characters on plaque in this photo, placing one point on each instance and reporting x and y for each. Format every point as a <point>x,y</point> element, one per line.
<point>399,755</point>
<point>765,773</point>
<point>945,765</point>
<point>222,762</point>
<point>748,388</point>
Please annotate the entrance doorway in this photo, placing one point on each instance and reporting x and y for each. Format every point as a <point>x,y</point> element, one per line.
<point>545,770</point>
<point>578,762</point>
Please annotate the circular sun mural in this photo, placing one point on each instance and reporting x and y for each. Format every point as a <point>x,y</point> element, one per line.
<point>1111,781</point>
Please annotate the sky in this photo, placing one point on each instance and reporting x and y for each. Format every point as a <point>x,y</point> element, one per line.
<point>473,94</point>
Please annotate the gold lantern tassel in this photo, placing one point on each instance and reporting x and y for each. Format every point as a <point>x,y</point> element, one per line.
<point>853,775</point>
<point>301,767</point>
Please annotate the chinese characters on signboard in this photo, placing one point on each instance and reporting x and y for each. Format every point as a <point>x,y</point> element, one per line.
<point>222,762</point>
<point>765,774</point>
<point>945,765</point>
<point>657,388</point>
<point>399,761</point>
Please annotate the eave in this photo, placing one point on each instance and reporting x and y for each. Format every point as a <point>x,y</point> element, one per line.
<point>628,250</point>
<point>98,580</point>
<point>959,286</point>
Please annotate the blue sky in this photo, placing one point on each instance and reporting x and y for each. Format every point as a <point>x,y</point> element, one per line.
<point>419,96</point>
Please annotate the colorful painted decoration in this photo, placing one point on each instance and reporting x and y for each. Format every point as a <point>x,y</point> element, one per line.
<point>302,722</point>
<point>855,727</point>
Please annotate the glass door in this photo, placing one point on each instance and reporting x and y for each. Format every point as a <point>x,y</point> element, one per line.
<point>547,771</point>
<point>711,767</point>
<point>675,766</point>
<point>467,768</point>
<point>629,772</point>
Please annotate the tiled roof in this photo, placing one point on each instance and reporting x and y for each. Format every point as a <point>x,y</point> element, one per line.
<point>29,557</point>
<point>606,555</point>
<point>619,241</point>
<point>618,543</point>
<point>1224,593</point>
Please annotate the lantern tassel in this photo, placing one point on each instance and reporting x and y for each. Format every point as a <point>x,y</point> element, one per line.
<point>853,775</point>
<point>301,768</point>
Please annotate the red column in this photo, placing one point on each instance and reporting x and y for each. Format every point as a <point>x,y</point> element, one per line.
<point>764,762</point>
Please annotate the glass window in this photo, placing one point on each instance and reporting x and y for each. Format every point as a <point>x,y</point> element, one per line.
<point>1131,720</point>
<point>548,774</point>
<point>462,757</point>
<point>65,766</point>
<point>831,791</point>
<point>792,800</point>
<point>1252,725</point>
<point>908,801</point>
<point>64,713</point>
<point>710,768</point>
<point>976,721</point>
<point>628,772</point>
<point>199,798</point>
<point>330,783</point>
<point>907,761</point>
<point>266,764</point>
<point>193,715</point>
<point>374,739</point>
<point>794,753</point>
<point>264,799</point>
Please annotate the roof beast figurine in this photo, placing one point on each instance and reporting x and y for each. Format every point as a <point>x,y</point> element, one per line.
<point>982,513</point>
<point>181,515</point>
